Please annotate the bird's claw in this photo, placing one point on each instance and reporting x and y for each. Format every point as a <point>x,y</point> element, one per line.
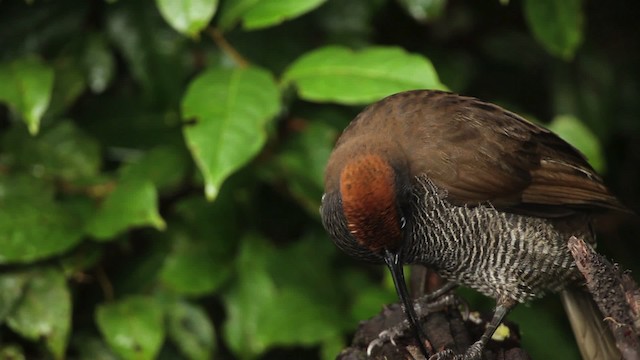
<point>474,352</point>
<point>389,335</point>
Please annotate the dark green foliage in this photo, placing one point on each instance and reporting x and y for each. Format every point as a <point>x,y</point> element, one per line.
<point>161,161</point>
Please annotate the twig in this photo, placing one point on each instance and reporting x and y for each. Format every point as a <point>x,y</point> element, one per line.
<point>615,293</point>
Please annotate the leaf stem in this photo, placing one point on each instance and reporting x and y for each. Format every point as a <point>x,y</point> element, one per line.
<point>105,283</point>
<point>227,48</point>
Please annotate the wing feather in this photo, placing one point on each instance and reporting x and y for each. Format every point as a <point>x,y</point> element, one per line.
<point>487,154</point>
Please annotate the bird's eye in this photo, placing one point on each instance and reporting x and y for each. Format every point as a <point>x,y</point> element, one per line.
<point>321,203</point>
<point>403,222</point>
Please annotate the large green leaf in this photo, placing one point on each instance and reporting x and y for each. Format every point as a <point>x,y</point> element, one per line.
<point>44,311</point>
<point>272,12</point>
<point>557,25</point>
<point>424,10</point>
<point>257,14</point>
<point>165,166</point>
<point>32,224</point>
<point>133,203</point>
<point>189,327</point>
<point>91,346</point>
<point>63,152</point>
<point>231,11</point>
<point>26,86</point>
<point>11,352</point>
<point>337,74</point>
<point>98,62</point>
<point>133,326</point>
<point>230,109</point>
<point>257,318</point>
<point>573,131</point>
<point>188,17</point>
<point>202,246</point>
<point>12,287</point>
<point>154,56</point>
<point>302,162</point>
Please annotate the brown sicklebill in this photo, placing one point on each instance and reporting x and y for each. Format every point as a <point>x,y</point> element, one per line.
<point>475,192</point>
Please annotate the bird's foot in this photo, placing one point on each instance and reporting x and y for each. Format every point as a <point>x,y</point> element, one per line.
<point>401,329</point>
<point>474,352</point>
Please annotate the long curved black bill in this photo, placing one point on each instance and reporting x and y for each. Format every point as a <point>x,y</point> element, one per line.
<point>397,273</point>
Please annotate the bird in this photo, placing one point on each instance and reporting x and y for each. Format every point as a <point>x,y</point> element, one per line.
<point>477,193</point>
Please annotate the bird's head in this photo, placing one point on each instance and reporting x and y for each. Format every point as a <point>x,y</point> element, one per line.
<point>363,206</point>
<point>370,203</point>
<point>364,211</point>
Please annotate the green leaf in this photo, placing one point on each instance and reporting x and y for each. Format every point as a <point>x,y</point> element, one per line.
<point>189,327</point>
<point>26,86</point>
<point>165,166</point>
<point>265,13</point>
<point>154,56</point>
<point>91,347</point>
<point>62,151</point>
<point>203,244</point>
<point>12,286</point>
<point>557,25</point>
<point>231,11</point>
<point>11,352</point>
<point>68,85</point>
<point>133,203</point>
<point>231,109</point>
<point>256,14</point>
<point>337,74</point>
<point>573,131</point>
<point>257,319</point>
<point>188,17</point>
<point>302,163</point>
<point>32,224</point>
<point>99,63</point>
<point>44,311</point>
<point>424,10</point>
<point>542,330</point>
<point>133,326</point>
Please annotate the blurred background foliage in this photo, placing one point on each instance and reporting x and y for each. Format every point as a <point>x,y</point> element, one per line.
<point>161,161</point>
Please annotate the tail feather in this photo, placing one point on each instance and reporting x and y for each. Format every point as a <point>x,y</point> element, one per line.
<point>593,336</point>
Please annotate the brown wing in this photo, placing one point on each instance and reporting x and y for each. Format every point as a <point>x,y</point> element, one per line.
<point>480,152</point>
